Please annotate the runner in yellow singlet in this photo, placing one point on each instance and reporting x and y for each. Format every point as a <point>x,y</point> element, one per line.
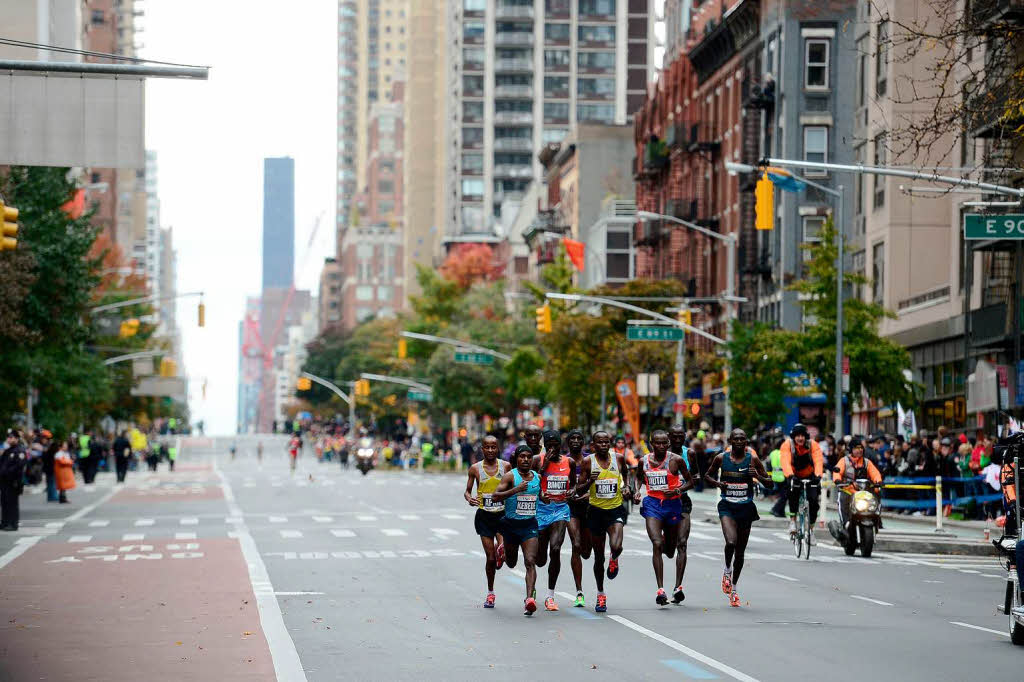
<point>486,475</point>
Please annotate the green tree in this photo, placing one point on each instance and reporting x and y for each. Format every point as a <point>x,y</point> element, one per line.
<point>876,363</point>
<point>759,357</point>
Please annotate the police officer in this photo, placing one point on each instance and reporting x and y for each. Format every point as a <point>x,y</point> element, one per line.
<point>778,477</point>
<point>12,472</point>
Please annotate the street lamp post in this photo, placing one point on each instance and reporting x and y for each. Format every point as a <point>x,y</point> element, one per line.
<point>458,344</point>
<point>731,242</point>
<point>340,393</point>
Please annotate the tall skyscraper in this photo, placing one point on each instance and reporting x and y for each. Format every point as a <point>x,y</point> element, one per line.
<point>524,72</point>
<point>278,222</point>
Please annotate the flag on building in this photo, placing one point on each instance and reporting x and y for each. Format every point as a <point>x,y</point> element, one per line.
<point>906,422</point>
<point>575,251</point>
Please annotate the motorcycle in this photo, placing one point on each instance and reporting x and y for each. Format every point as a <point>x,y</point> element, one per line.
<point>864,520</point>
<point>365,456</point>
<point>1008,450</point>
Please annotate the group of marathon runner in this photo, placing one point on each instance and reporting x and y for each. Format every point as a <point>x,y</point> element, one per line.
<point>528,504</point>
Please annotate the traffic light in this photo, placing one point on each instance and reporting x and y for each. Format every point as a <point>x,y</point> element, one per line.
<point>403,349</point>
<point>685,316</point>
<point>363,387</point>
<point>764,203</point>
<point>202,314</point>
<point>129,327</point>
<point>544,319</point>
<point>9,218</point>
<point>303,384</point>
<point>675,385</point>
<point>168,368</point>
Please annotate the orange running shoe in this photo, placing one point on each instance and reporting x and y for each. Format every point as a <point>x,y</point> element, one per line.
<point>727,583</point>
<point>550,604</point>
<point>602,603</point>
<point>613,568</point>
<point>531,606</point>
<point>489,602</point>
<point>734,599</point>
<point>499,556</point>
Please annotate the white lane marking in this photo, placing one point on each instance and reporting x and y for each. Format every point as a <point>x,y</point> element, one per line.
<point>133,536</point>
<point>20,548</point>
<point>978,627</point>
<point>967,570</point>
<point>934,582</point>
<point>444,531</point>
<point>291,533</point>
<point>323,519</point>
<point>783,577</point>
<point>184,536</point>
<point>453,516</point>
<point>701,536</point>
<point>873,601</point>
<point>189,521</point>
<point>55,524</point>
<point>696,655</point>
<point>277,519</point>
<point>144,522</point>
<point>295,594</point>
<point>287,666</point>
<point>393,532</point>
<point>80,538</point>
<point>993,575</point>
<point>366,517</point>
<point>342,533</point>
<point>98,523</point>
<point>409,517</point>
<point>761,541</point>
<point>232,519</point>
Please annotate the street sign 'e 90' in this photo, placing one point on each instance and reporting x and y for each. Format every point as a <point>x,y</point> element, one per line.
<point>1007,226</point>
<point>654,334</point>
<point>471,358</point>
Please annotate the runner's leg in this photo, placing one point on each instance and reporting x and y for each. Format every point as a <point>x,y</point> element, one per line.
<point>742,535</point>
<point>656,533</point>
<point>729,531</point>
<point>557,533</point>
<point>597,543</point>
<point>682,539</point>
<point>576,534</point>
<point>543,539</point>
<point>615,539</point>
<point>488,545</point>
<point>530,560</point>
<point>511,554</point>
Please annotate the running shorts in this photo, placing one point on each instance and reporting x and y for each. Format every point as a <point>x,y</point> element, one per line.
<point>487,524</point>
<point>667,511</point>
<point>551,513</point>
<point>743,512</point>
<point>599,520</point>
<point>578,509</point>
<point>515,531</point>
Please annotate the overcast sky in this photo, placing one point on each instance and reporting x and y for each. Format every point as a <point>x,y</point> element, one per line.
<point>271,92</point>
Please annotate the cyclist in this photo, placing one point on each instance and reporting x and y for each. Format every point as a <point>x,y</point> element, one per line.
<point>578,506</point>
<point>850,468</point>
<point>557,477</point>
<point>739,466</point>
<point>666,510</point>
<point>519,490</point>
<point>486,475</point>
<point>801,459</point>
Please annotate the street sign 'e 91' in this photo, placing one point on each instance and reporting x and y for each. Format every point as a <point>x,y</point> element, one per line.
<point>1007,226</point>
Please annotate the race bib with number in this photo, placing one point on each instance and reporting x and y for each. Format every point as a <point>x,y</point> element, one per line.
<point>657,481</point>
<point>526,505</point>
<point>737,491</point>
<point>557,485</point>
<point>606,489</point>
<point>491,505</point>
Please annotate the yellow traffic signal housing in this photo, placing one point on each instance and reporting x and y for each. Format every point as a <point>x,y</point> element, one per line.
<point>403,349</point>
<point>168,367</point>
<point>202,314</point>
<point>303,384</point>
<point>129,327</point>
<point>764,203</point>
<point>544,319</point>
<point>363,387</point>
<point>9,220</point>
<point>685,316</point>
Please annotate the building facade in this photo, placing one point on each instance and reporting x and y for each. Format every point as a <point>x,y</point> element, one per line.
<point>329,294</point>
<point>278,222</point>
<point>523,73</point>
<point>371,260</point>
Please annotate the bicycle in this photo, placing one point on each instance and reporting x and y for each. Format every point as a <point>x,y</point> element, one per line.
<point>801,537</point>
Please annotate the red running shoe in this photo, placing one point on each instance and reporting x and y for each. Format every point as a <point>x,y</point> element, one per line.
<point>489,602</point>
<point>613,569</point>
<point>602,603</point>
<point>727,583</point>
<point>499,556</point>
<point>531,606</point>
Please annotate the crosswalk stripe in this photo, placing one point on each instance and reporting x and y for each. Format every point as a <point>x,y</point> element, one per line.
<point>99,523</point>
<point>189,521</point>
<point>55,524</point>
<point>133,536</point>
<point>452,516</point>
<point>291,533</point>
<point>409,517</point>
<point>184,536</point>
<point>393,532</point>
<point>277,519</point>
<point>444,531</point>
<point>144,522</point>
<point>80,538</point>
<point>323,519</point>
<point>342,533</point>
<point>366,517</point>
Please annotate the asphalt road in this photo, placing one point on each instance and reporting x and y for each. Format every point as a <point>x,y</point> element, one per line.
<point>325,575</point>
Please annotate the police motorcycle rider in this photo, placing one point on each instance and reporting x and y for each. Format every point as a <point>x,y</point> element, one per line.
<point>852,467</point>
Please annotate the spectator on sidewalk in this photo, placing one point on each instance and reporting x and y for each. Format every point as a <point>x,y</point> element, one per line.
<point>122,453</point>
<point>45,448</point>
<point>64,470</point>
<point>12,482</point>
<point>97,450</point>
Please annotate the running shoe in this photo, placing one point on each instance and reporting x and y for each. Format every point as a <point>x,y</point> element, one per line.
<point>579,603</point>
<point>499,556</point>
<point>613,568</point>
<point>489,602</point>
<point>734,599</point>
<point>662,598</point>
<point>727,582</point>
<point>810,537</point>
<point>602,603</point>
<point>550,604</point>
<point>678,596</point>
<point>531,606</point>
<point>792,526</point>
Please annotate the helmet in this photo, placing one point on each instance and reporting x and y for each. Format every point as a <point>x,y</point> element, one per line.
<point>798,430</point>
<point>945,441</point>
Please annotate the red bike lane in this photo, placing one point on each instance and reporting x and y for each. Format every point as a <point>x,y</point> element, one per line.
<point>149,607</point>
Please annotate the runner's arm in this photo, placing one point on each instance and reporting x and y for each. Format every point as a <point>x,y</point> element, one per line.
<point>819,460</point>
<point>759,471</point>
<point>713,468</point>
<point>684,473</point>
<point>506,489</point>
<point>473,502</point>
<point>622,467</point>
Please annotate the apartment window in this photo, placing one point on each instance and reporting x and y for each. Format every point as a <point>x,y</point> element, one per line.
<point>515,105</point>
<point>364,292</point>
<point>511,160</point>
<point>596,34</point>
<point>816,147</point>
<point>513,79</point>
<point>556,7</point>
<point>598,113</point>
<point>385,187</point>
<point>385,207</point>
<point>472,188</point>
<point>472,30</point>
<point>364,251</point>
<point>878,273</point>
<point>556,32</point>
<point>812,228</point>
<point>472,136</point>
<point>598,88</point>
<point>473,84</point>
<point>97,16</point>
<point>554,58</point>
<point>857,261</point>
<point>862,74</point>
<point>556,86</point>
<point>617,254</point>
<point>551,135</point>
<point>473,111</point>
<point>593,8</point>
<point>473,57</point>
<point>473,163</point>
<point>595,60</point>
<point>474,5</point>
<point>521,265</point>
<point>505,132</point>
<point>556,111</point>
<point>880,161</point>
<point>882,58</point>
<point>384,293</point>
<point>816,64</point>
<point>363,313</point>
<point>472,218</point>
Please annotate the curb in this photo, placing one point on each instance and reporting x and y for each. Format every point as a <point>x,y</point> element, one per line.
<point>898,544</point>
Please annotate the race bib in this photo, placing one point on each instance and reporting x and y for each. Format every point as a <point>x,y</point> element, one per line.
<point>606,489</point>
<point>557,485</point>
<point>737,491</point>
<point>657,481</point>
<point>526,505</point>
<point>490,504</point>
